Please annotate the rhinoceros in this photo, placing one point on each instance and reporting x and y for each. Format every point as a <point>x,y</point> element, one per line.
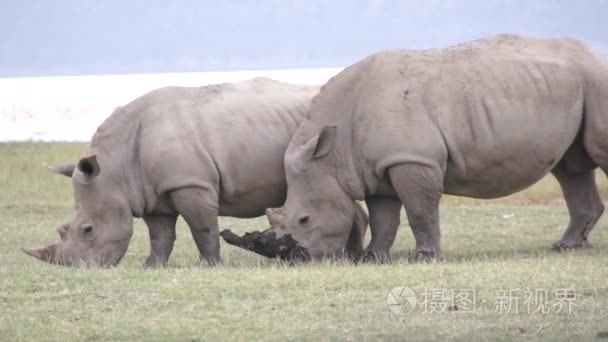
<point>482,119</point>
<point>196,152</point>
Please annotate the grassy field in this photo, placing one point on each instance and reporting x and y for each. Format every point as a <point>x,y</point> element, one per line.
<point>490,247</point>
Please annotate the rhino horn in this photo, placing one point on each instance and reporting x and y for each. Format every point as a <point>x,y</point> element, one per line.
<point>45,253</point>
<point>275,216</point>
<point>62,230</point>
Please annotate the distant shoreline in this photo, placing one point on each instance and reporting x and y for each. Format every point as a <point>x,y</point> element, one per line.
<point>69,108</point>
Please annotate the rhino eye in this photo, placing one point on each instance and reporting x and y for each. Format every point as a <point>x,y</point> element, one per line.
<point>87,229</point>
<point>304,220</point>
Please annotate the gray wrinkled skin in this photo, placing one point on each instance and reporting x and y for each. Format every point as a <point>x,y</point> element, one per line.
<point>483,119</point>
<point>195,152</point>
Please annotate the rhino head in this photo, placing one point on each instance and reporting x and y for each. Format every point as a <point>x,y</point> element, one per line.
<point>100,230</point>
<point>276,242</point>
<point>319,242</point>
<point>318,215</point>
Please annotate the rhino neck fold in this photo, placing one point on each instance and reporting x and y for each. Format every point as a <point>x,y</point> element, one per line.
<point>117,143</point>
<point>347,169</point>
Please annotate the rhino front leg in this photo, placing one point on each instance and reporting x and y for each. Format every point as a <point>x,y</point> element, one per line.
<point>584,206</point>
<point>384,221</point>
<point>162,237</point>
<point>200,210</point>
<point>420,189</point>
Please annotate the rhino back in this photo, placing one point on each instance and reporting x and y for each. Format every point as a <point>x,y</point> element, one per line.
<point>495,114</point>
<point>229,138</point>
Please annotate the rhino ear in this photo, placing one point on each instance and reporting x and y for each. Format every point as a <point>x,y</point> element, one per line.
<point>63,169</point>
<point>89,166</point>
<point>321,144</point>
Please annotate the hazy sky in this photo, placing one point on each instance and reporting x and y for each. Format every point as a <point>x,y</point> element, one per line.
<point>60,37</point>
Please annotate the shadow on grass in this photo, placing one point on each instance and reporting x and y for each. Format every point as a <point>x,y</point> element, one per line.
<point>405,257</point>
<point>402,257</point>
<point>504,255</point>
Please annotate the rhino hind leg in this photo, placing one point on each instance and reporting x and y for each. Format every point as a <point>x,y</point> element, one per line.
<point>200,210</point>
<point>420,188</point>
<point>162,238</point>
<point>584,205</point>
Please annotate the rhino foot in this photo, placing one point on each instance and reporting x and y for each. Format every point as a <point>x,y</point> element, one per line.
<point>211,261</point>
<point>267,244</point>
<point>427,255</point>
<point>561,246</point>
<point>153,261</point>
<point>375,257</point>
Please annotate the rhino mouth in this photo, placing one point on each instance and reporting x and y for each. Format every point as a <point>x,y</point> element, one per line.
<point>267,244</point>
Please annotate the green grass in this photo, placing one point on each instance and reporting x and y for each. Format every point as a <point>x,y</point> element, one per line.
<point>499,245</point>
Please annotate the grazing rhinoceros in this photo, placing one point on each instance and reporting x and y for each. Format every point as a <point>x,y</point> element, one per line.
<point>196,152</point>
<point>483,119</point>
